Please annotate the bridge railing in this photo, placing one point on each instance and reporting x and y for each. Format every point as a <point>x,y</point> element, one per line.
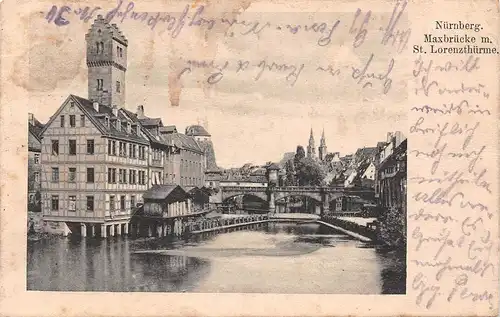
<point>296,189</point>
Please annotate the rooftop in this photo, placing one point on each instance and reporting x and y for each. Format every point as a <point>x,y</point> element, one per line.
<point>196,130</point>
<point>181,141</point>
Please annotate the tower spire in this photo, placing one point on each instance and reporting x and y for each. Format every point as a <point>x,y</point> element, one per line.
<point>322,151</point>
<point>311,150</point>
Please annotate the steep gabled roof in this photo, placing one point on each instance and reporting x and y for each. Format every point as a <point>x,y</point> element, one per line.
<point>151,122</point>
<point>182,141</point>
<point>111,130</point>
<point>366,151</point>
<point>144,123</point>
<point>87,107</point>
<point>168,129</point>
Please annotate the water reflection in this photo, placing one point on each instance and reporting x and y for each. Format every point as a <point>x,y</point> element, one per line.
<point>278,258</point>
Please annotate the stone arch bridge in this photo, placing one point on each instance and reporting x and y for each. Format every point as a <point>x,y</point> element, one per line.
<point>324,195</point>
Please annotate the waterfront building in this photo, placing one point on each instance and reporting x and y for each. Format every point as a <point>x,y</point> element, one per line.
<point>99,158</point>
<point>95,168</point>
<point>151,128</point>
<point>164,208</point>
<point>392,187</point>
<point>185,162</point>
<point>34,163</point>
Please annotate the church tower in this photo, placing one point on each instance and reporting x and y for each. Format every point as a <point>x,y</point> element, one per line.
<point>311,149</point>
<point>107,63</point>
<point>322,147</point>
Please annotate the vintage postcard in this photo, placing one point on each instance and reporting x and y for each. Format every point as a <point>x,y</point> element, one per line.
<point>249,158</point>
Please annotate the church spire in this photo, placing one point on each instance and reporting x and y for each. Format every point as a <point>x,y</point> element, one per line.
<point>322,151</point>
<point>311,151</point>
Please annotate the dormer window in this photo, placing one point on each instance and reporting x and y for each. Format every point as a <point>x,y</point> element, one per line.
<point>106,120</point>
<point>118,125</point>
<point>128,127</point>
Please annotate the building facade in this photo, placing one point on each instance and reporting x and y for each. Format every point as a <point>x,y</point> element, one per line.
<point>95,168</point>
<point>392,187</point>
<point>185,162</point>
<point>98,158</point>
<point>34,163</point>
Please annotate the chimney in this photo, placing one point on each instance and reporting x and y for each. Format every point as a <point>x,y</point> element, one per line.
<point>140,112</point>
<point>96,106</point>
<point>115,110</point>
<point>31,119</point>
<point>389,137</point>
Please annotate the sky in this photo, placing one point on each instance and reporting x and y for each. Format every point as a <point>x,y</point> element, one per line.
<point>251,121</point>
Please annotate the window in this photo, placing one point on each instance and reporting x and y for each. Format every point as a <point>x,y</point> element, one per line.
<point>90,203</point>
<point>122,149</point>
<point>72,174</point>
<point>111,175</point>
<point>119,51</point>
<point>106,120</point>
<point>82,120</point>
<point>111,147</point>
<point>142,153</point>
<point>132,201</point>
<point>36,176</point>
<point>90,174</point>
<point>72,203</point>
<point>37,158</point>
<point>132,150</point>
<point>90,146</point>
<point>122,176</point>
<point>55,202</point>
<point>72,120</point>
<point>122,202</point>
<point>55,174</point>
<point>132,176</point>
<point>99,84</point>
<point>142,178</point>
<point>112,203</point>
<point>55,147</point>
<point>117,86</point>
<point>72,147</point>
<point>100,46</point>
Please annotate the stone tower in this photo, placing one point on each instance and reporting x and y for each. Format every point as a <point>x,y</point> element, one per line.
<point>311,150</point>
<point>322,147</point>
<point>107,63</point>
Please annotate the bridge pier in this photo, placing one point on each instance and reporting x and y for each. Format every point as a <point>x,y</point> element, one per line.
<point>272,205</point>
<point>325,207</point>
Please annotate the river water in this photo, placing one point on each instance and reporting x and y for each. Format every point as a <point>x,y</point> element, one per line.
<point>274,258</point>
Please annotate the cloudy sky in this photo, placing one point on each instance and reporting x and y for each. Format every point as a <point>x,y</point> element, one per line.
<point>250,120</point>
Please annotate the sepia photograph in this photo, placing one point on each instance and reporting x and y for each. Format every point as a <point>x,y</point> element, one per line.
<point>122,201</point>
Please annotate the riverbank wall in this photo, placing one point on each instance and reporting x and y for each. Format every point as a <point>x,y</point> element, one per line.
<point>356,229</point>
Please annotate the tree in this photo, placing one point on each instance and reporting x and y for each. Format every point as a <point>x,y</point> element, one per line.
<point>310,172</point>
<point>299,154</point>
<point>290,173</point>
